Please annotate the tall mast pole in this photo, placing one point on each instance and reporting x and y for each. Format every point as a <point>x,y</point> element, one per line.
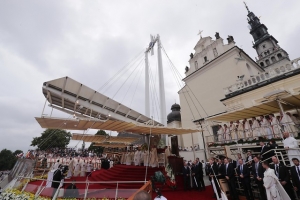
<point>147,98</point>
<point>162,97</point>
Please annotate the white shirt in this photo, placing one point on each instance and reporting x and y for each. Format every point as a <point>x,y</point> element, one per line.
<point>160,198</point>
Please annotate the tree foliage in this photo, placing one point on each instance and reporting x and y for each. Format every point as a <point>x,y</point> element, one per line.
<point>52,138</point>
<point>97,149</point>
<point>7,160</point>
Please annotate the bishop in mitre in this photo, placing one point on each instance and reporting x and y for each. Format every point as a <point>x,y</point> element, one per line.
<point>289,143</point>
<point>274,189</point>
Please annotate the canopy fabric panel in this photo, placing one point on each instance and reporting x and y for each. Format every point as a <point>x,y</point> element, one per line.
<point>111,125</point>
<point>68,95</point>
<point>288,103</point>
<point>103,138</point>
<point>111,145</point>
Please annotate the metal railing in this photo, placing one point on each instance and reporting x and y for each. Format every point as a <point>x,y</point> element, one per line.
<point>246,136</point>
<point>42,190</point>
<point>261,78</point>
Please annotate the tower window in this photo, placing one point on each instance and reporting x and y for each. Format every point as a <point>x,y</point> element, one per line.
<point>273,59</point>
<point>262,64</point>
<point>264,46</point>
<point>268,62</point>
<point>196,65</point>
<point>205,59</point>
<point>279,56</point>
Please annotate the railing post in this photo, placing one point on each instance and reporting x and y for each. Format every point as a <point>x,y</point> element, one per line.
<point>86,190</point>
<point>117,191</point>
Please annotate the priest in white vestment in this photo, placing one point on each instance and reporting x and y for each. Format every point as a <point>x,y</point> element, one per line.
<point>227,137</point>
<point>137,157</point>
<point>56,165</point>
<point>167,154</point>
<point>275,126</point>
<point>265,125</point>
<point>153,157</point>
<point>289,125</point>
<point>255,128</point>
<point>240,130</point>
<point>83,168</point>
<point>232,130</point>
<point>274,189</point>
<point>71,168</point>
<point>221,134</point>
<point>290,142</point>
<point>128,158</point>
<point>146,158</point>
<point>77,168</point>
<point>247,128</point>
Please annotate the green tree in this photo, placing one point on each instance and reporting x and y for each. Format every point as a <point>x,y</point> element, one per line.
<point>17,152</point>
<point>7,160</point>
<point>52,138</point>
<point>98,150</point>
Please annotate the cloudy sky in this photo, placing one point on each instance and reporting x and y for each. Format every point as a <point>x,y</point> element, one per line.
<point>90,41</point>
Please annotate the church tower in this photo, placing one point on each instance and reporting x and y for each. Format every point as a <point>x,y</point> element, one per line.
<point>270,54</point>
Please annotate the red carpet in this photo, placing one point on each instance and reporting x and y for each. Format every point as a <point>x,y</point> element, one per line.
<point>126,173</point>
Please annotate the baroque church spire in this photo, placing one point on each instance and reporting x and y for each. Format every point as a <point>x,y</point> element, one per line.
<point>266,46</point>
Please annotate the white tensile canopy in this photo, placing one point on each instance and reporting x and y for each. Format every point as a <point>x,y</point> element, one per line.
<point>111,125</point>
<point>103,139</point>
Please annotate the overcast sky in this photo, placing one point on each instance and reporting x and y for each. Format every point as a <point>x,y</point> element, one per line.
<point>90,41</point>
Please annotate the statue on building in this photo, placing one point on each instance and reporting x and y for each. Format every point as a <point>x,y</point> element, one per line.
<point>186,69</point>
<point>217,35</point>
<point>192,55</point>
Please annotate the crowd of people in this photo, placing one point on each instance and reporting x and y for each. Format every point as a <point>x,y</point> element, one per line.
<point>191,148</point>
<point>193,173</point>
<point>269,126</point>
<point>272,178</point>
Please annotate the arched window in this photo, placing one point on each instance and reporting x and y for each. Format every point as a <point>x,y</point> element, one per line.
<point>196,65</point>
<point>268,62</point>
<point>279,56</point>
<point>262,64</point>
<point>273,59</point>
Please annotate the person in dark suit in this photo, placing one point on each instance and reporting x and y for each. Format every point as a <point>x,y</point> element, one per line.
<point>244,177</point>
<point>199,174</point>
<point>186,176</point>
<point>283,176</point>
<point>233,162</point>
<point>295,172</point>
<point>263,152</point>
<point>258,175</point>
<point>57,177</point>
<point>221,169</point>
<point>229,176</point>
<point>213,171</point>
<point>72,191</point>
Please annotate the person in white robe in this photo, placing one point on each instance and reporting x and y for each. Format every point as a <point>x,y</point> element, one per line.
<point>240,130</point>
<point>56,165</point>
<point>153,157</point>
<point>265,125</point>
<point>167,154</point>
<point>289,143</point>
<point>247,128</point>
<point>296,120</point>
<point>83,168</point>
<point>227,137</point>
<point>146,158</point>
<point>128,158</point>
<point>137,157</point>
<point>71,168</point>
<point>289,124</point>
<point>221,134</point>
<point>255,128</point>
<point>232,129</point>
<point>275,126</point>
<point>274,189</point>
<point>77,168</point>
<point>89,168</point>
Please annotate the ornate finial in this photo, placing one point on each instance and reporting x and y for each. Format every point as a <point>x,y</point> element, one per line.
<point>200,33</point>
<point>246,7</point>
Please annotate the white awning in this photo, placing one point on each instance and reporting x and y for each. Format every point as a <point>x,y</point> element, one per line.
<point>103,138</point>
<point>111,125</point>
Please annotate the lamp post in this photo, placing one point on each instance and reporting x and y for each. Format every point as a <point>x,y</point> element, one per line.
<point>199,123</point>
